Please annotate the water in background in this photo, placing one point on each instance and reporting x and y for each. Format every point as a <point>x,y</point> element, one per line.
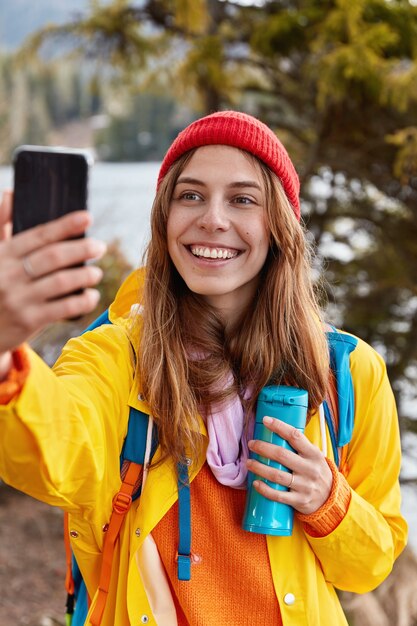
<point>121,200</point>
<point>121,196</point>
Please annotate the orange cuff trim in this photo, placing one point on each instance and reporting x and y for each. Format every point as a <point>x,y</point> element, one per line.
<point>328,517</point>
<point>13,384</point>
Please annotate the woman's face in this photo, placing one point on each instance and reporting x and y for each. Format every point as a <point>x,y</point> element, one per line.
<point>217,234</point>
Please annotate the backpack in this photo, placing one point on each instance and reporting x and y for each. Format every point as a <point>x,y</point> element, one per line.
<point>138,448</point>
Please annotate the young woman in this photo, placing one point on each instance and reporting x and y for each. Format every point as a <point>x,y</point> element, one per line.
<point>226,307</point>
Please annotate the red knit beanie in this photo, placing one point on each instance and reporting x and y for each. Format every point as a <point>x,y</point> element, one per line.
<point>232,128</point>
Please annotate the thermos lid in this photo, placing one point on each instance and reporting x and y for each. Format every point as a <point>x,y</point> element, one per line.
<point>284,396</point>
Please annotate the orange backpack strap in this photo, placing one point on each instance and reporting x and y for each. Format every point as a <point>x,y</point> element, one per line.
<point>121,504</point>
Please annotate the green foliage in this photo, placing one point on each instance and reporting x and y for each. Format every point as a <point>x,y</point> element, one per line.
<point>353,52</point>
<point>190,15</point>
<point>205,63</point>
<point>405,164</point>
<point>283,31</point>
<point>116,31</point>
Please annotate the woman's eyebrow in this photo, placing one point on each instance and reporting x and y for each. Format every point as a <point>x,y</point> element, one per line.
<point>190,181</point>
<point>239,184</point>
<point>245,183</point>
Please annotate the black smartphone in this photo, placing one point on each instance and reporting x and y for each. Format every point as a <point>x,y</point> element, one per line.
<point>48,183</point>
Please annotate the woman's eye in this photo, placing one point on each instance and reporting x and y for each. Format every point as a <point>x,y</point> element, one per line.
<point>189,195</point>
<point>243,200</point>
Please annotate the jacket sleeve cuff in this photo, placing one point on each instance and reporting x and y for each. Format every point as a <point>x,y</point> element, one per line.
<point>13,384</point>
<point>326,519</point>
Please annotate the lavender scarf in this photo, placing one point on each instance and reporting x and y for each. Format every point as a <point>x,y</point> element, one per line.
<point>227,450</point>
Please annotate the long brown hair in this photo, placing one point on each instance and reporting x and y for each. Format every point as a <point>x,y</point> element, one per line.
<point>185,351</point>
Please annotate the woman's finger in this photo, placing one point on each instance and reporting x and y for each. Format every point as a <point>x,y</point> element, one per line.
<point>58,284</point>
<point>274,475</point>
<point>67,227</point>
<point>277,495</point>
<point>295,437</point>
<point>279,454</point>
<point>64,254</point>
<point>68,307</point>
<point>71,306</point>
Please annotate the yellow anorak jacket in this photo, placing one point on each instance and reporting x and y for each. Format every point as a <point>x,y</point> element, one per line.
<point>60,442</point>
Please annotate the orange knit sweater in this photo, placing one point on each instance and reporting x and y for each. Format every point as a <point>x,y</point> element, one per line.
<point>231,581</point>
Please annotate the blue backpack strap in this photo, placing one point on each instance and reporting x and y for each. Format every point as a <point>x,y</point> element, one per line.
<point>134,449</point>
<point>81,599</point>
<point>332,428</point>
<point>134,446</point>
<point>184,524</point>
<point>99,321</point>
<point>340,347</point>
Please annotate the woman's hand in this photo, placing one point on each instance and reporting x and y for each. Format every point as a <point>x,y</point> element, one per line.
<point>311,480</point>
<point>38,277</point>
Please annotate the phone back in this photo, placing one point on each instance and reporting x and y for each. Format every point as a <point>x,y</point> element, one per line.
<point>48,183</point>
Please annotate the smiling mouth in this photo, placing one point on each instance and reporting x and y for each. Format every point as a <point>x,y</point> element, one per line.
<point>213,253</point>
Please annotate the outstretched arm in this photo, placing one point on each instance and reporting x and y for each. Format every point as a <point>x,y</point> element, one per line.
<point>38,277</point>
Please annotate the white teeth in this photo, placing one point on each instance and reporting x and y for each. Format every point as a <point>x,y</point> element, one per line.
<point>213,253</point>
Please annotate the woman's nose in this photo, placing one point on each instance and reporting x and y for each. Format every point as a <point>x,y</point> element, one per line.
<point>214,216</point>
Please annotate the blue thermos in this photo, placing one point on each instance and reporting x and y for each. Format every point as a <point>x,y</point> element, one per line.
<point>288,404</point>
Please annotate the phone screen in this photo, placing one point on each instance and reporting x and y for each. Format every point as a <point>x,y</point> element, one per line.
<point>48,183</point>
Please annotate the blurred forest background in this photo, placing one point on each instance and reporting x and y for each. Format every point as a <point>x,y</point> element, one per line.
<point>336,80</point>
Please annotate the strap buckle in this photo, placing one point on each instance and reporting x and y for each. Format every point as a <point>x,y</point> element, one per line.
<point>183,566</point>
<point>121,502</point>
